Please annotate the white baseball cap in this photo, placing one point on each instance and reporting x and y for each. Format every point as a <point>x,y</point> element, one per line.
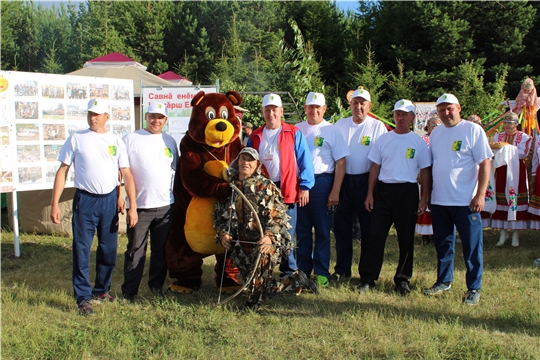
<point>447,98</point>
<point>98,106</point>
<point>314,98</point>
<point>364,94</point>
<point>157,108</point>
<point>404,105</point>
<point>271,99</point>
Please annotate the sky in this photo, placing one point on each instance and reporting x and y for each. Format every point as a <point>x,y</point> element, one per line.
<point>342,4</point>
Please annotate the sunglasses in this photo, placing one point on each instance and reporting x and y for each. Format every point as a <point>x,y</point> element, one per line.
<point>333,209</point>
<point>510,122</point>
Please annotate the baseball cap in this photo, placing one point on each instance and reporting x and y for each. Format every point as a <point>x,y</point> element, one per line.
<point>447,98</point>
<point>157,108</point>
<point>248,125</point>
<point>271,99</point>
<point>361,92</point>
<point>250,151</point>
<point>314,98</point>
<point>232,170</point>
<point>404,105</point>
<point>98,106</point>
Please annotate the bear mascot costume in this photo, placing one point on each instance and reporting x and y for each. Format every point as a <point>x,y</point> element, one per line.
<point>211,143</point>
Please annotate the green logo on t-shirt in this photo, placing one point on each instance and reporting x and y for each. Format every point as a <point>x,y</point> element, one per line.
<point>319,141</point>
<point>456,146</point>
<point>409,154</point>
<point>366,140</point>
<point>168,152</point>
<point>112,150</point>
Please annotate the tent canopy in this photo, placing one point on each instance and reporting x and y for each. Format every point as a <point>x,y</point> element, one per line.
<point>175,79</point>
<point>118,66</point>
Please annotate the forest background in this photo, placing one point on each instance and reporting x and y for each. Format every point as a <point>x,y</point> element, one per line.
<point>480,51</point>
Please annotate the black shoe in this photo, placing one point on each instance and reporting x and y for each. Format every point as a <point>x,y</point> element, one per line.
<point>85,308</point>
<point>128,298</point>
<point>426,240</point>
<point>158,291</point>
<point>335,277</point>
<point>403,288</point>
<point>364,287</point>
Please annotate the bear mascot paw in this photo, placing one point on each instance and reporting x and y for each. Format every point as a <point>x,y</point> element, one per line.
<point>211,143</point>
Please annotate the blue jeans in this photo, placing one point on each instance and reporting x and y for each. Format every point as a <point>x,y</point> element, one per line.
<point>351,200</point>
<point>469,226</point>
<point>93,212</point>
<point>315,216</point>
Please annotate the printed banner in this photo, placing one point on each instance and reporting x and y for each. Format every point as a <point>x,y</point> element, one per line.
<point>40,111</point>
<point>178,101</point>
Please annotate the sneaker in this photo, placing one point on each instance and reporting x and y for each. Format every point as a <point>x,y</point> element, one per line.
<point>364,287</point>
<point>322,281</point>
<point>128,298</point>
<point>85,308</point>
<point>437,288</point>
<point>536,262</point>
<point>340,277</point>
<point>104,297</point>
<point>403,288</point>
<point>472,297</point>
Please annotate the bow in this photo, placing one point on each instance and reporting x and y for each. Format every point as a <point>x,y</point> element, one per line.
<point>259,255</point>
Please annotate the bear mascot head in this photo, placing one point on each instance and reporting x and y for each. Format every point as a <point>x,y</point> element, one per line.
<point>210,144</point>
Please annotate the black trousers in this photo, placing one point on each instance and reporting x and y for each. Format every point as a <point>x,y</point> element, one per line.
<point>157,221</point>
<point>392,204</point>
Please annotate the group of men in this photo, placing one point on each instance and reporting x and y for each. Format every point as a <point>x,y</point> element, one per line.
<point>327,173</point>
<point>356,167</point>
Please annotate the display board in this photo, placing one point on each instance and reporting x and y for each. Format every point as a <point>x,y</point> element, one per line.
<point>40,111</point>
<point>178,101</point>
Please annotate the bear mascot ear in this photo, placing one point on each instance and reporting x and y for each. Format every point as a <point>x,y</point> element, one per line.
<point>234,97</point>
<point>197,98</point>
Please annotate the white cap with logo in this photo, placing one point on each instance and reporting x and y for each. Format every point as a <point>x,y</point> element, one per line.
<point>271,99</point>
<point>157,108</point>
<point>362,93</point>
<point>98,106</point>
<point>447,98</point>
<point>315,98</point>
<point>404,105</point>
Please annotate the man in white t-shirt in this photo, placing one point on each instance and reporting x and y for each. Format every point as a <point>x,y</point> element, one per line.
<point>153,156</point>
<point>461,164</point>
<point>360,132</point>
<point>398,156</point>
<point>97,158</point>
<point>328,150</point>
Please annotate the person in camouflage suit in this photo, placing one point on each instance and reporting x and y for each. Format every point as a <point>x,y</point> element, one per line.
<point>240,233</point>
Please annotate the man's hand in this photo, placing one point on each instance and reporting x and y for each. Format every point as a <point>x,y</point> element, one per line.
<point>265,245</point>
<point>121,205</point>
<point>226,241</point>
<point>132,217</point>
<point>303,197</point>
<point>55,214</point>
<point>368,204</point>
<point>477,203</point>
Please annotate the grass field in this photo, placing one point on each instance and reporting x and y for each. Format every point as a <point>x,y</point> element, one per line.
<point>40,321</point>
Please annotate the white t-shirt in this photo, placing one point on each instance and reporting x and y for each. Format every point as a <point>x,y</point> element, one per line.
<point>401,157</point>
<point>456,153</point>
<point>152,158</point>
<point>269,153</point>
<point>360,138</point>
<point>96,159</point>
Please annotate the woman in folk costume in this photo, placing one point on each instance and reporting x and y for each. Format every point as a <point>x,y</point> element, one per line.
<point>526,103</point>
<point>423,223</point>
<point>518,199</point>
<point>534,202</point>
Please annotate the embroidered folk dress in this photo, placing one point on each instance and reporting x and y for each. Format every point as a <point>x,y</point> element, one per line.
<point>234,217</point>
<point>520,196</point>
<point>423,223</point>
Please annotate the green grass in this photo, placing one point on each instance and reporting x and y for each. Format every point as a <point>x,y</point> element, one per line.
<point>40,321</point>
